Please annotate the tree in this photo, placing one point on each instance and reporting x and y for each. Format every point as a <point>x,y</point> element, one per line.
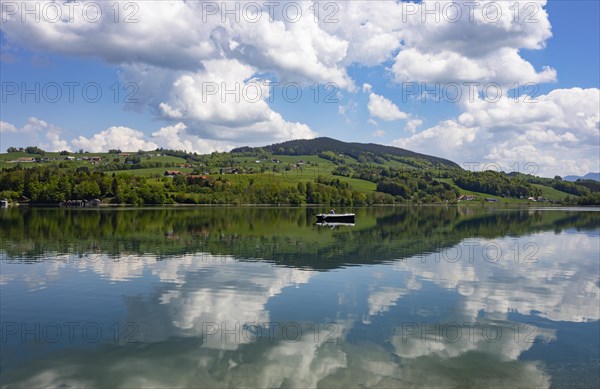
<point>86,190</point>
<point>34,150</point>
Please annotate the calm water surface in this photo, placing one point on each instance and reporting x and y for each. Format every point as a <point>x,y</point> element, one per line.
<point>407,297</point>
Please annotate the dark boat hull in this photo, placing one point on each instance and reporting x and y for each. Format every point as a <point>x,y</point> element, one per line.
<point>335,218</point>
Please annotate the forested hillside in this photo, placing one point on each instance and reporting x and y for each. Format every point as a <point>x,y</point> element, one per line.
<point>363,152</point>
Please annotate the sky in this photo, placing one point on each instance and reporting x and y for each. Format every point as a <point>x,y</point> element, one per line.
<point>488,84</point>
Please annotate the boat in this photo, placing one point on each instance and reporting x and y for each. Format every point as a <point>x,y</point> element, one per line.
<point>335,217</point>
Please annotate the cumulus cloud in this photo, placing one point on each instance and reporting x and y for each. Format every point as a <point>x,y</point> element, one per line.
<point>176,137</point>
<point>449,139</point>
<point>55,143</point>
<point>478,41</point>
<point>200,48</point>
<point>313,42</point>
<point>412,125</point>
<point>295,48</point>
<point>558,131</point>
<point>7,127</point>
<point>382,108</point>
<point>274,40</point>
<point>123,138</point>
<point>35,132</point>
<point>225,101</point>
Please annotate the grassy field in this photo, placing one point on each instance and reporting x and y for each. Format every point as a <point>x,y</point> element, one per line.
<point>547,192</point>
<point>551,193</point>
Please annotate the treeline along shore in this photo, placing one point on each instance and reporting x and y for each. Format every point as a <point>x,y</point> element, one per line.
<point>291,173</point>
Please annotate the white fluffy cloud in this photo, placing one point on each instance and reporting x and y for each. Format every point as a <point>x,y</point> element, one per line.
<point>302,41</point>
<point>472,41</point>
<point>123,138</point>
<point>224,101</point>
<point>448,139</point>
<point>199,48</point>
<point>55,143</point>
<point>34,132</point>
<point>189,33</point>
<point>412,125</point>
<point>382,108</point>
<point>175,137</point>
<point>559,132</point>
<point>6,127</point>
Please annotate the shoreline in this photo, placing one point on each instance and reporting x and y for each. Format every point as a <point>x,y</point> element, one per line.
<point>495,205</point>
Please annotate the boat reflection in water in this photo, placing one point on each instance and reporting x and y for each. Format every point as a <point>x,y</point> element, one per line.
<point>334,225</point>
<point>335,218</point>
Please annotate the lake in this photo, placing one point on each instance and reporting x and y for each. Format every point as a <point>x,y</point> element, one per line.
<point>262,297</point>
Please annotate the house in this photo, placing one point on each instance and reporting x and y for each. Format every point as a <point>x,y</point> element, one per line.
<point>491,200</point>
<point>4,203</point>
<point>69,158</point>
<point>466,198</point>
<point>172,173</point>
<point>229,171</point>
<point>197,179</point>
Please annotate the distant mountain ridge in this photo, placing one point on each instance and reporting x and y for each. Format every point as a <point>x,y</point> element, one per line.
<point>352,149</point>
<point>589,176</point>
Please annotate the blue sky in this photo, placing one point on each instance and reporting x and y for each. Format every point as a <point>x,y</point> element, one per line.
<point>364,65</point>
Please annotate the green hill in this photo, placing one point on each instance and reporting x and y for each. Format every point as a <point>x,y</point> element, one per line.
<point>362,152</point>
